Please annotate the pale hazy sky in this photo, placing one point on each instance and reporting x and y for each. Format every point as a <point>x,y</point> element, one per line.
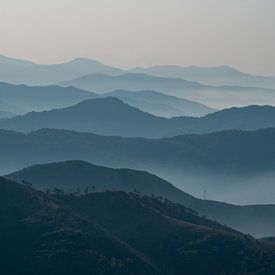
<point>129,33</point>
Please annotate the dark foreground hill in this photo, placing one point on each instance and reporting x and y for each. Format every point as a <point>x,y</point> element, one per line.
<point>82,177</point>
<point>111,116</point>
<point>118,233</point>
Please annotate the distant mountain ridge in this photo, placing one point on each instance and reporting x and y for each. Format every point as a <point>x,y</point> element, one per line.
<point>233,89</point>
<point>214,96</point>
<point>107,116</point>
<point>110,116</point>
<point>22,98</point>
<point>103,83</point>
<point>233,166</point>
<point>161,104</point>
<point>18,71</point>
<point>219,76</point>
<point>4,114</point>
<point>83,177</point>
<point>12,71</point>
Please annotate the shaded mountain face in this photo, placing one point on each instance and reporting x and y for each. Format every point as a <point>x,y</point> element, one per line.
<point>5,107</point>
<point>221,75</point>
<point>77,175</point>
<point>106,116</point>
<point>40,235</point>
<point>118,233</point>
<point>161,104</point>
<point>194,162</point>
<point>24,72</point>
<point>110,116</point>
<point>4,114</point>
<point>21,98</point>
<point>103,83</point>
<point>82,177</point>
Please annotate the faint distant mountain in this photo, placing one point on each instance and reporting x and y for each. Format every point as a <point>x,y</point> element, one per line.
<point>37,98</point>
<point>110,116</point>
<point>21,98</point>
<point>103,83</point>
<point>4,114</point>
<point>220,76</point>
<point>24,72</point>
<point>115,233</point>
<point>6,107</point>
<point>232,166</point>
<point>215,96</point>
<point>161,104</point>
<point>78,176</point>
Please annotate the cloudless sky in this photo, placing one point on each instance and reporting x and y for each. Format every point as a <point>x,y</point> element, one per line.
<point>129,33</point>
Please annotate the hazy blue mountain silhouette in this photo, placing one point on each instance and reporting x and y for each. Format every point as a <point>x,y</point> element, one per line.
<point>24,72</point>
<point>219,76</point>
<point>214,96</point>
<point>4,114</point>
<point>87,74</point>
<point>107,116</point>
<point>37,98</point>
<point>78,176</point>
<point>177,152</point>
<point>161,104</point>
<point>6,107</point>
<point>22,98</point>
<point>110,116</point>
<point>233,166</point>
<point>133,82</point>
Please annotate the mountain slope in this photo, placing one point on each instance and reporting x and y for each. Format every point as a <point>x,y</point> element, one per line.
<point>24,72</point>
<point>41,236</point>
<point>74,175</point>
<point>132,82</point>
<point>28,98</point>
<point>110,116</point>
<point>214,96</point>
<point>189,150</point>
<point>118,233</point>
<point>4,114</point>
<point>5,107</point>
<point>218,76</point>
<point>107,116</point>
<point>161,104</point>
<point>232,166</point>
<point>83,177</point>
